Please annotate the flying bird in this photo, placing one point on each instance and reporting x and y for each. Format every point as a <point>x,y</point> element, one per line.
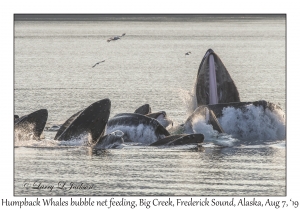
<point>188,53</point>
<point>115,37</point>
<point>98,63</point>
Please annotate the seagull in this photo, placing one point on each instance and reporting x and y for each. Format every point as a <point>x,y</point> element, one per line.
<point>115,37</point>
<point>188,53</point>
<point>97,63</point>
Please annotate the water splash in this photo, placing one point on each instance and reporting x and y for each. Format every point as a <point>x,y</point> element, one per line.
<point>141,133</point>
<point>251,125</point>
<point>199,125</point>
<point>25,133</point>
<point>189,100</point>
<point>165,121</point>
<point>81,140</point>
<point>254,123</point>
<point>176,129</point>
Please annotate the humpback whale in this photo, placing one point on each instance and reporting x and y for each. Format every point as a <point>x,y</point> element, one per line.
<point>216,93</point>
<point>124,127</point>
<point>258,120</point>
<point>143,129</point>
<point>92,121</point>
<point>31,126</point>
<point>137,128</point>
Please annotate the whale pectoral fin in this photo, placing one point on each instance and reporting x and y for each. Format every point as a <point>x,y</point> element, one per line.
<point>166,140</point>
<point>214,122</point>
<point>180,139</point>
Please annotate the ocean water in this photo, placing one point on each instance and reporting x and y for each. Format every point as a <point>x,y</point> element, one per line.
<point>53,70</point>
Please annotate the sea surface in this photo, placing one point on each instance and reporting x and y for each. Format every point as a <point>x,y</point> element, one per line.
<point>53,70</point>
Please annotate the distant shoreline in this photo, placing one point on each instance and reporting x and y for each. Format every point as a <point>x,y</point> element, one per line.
<point>144,17</point>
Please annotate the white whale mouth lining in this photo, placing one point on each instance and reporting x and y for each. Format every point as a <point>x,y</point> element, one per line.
<point>213,93</point>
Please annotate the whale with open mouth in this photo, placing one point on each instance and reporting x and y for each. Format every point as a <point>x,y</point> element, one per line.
<point>218,105</point>
<point>137,128</point>
<point>90,121</point>
<point>31,126</point>
<point>101,133</point>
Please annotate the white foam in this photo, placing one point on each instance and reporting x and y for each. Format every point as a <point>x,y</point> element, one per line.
<point>199,125</point>
<point>253,123</point>
<point>189,99</point>
<point>280,145</point>
<point>164,121</point>
<point>81,140</point>
<point>225,140</point>
<point>141,133</point>
<point>24,134</point>
<point>176,129</point>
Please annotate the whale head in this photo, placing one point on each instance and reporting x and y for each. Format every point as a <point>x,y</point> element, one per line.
<point>214,84</point>
<point>91,120</point>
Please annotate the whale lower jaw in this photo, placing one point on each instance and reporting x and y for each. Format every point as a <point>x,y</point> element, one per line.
<point>92,120</point>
